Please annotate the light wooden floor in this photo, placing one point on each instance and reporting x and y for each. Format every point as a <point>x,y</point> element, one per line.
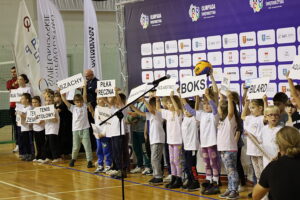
<point>27,180</point>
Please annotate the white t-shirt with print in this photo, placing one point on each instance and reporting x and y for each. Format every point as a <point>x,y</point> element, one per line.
<point>253,125</point>
<point>114,128</point>
<point>80,117</point>
<point>174,121</point>
<point>208,128</point>
<point>52,128</point>
<point>19,106</point>
<point>156,130</point>
<point>269,142</point>
<point>26,126</point>
<point>225,135</point>
<point>190,135</point>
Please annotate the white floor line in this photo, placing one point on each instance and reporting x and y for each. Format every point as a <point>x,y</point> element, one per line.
<point>19,197</point>
<point>28,190</point>
<point>101,188</point>
<point>29,170</point>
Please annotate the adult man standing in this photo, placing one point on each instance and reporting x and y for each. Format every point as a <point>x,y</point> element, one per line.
<point>13,84</point>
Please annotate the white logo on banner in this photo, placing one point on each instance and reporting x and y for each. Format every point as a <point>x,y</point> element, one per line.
<point>53,54</point>
<point>295,68</point>
<point>70,83</point>
<point>282,71</point>
<point>234,73</point>
<point>197,57</point>
<point>286,35</point>
<point>185,72</point>
<point>171,46</point>
<point>172,61</point>
<point>215,58</point>
<point>192,86</point>
<point>184,45</point>
<point>158,74</point>
<point>218,73</point>
<point>214,42</point>
<point>194,12</point>
<point>248,56</point>
<point>185,60</point>
<point>225,84</point>
<point>144,20</point>
<point>147,63</point>
<point>285,88</point>
<point>266,37</point>
<point>165,87</point>
<point>147,76</point>
<point>159,62</point>
<point>106,88</point>
<point>272,90</point>
<point>267,71</point>
<point>258,88</point>
<point>266,55</point>
<point>199,44</point>
<point>230,40</point>
<point>158,48</point>
<point>137,91</point>
<point>173,74</point>
<point>146,49</point>
<point>231,57</point>
<point>247,39</point>
<point>286,53</point>
<point>248,72</point>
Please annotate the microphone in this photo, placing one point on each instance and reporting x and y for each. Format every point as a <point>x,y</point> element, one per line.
<point>157,81</point>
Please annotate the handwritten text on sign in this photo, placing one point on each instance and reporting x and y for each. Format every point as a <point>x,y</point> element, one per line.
<point>165,87</point>
<point>193,86</point>
<point>295,68</point>
<point>70,83</point>
<point>14,96</point>
<point>136,92</point>
<point>45,112</point>
<point>31,117</point>
<point>106,88</point>
<point>258,88</point>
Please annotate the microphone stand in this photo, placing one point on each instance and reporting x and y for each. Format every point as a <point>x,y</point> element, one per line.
<point>120,116</point>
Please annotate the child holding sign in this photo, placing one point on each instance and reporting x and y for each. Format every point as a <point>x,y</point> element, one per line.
<point>26,140</point>
<point>295,99</point>
<point>38,132</point>
<point>80,127</point>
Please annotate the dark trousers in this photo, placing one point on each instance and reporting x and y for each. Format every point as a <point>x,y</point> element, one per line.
<point>26,143</point>
<point>51,150</point>
<point>118,144</point>
<point>40,139</point>
<point>138,141</point>
<point>12,114</point>
<point>190,165</point>
<point>240,168</point>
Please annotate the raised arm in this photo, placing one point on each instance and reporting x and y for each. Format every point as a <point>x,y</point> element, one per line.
<point>118,98</point>
<point>197,102</point>
<point>137,111</point>
<point>244,97</point>
<point>293,90</point>
<point>84,94</point>
<point>214,86</point>
<point>188,107</point>
<point>157,104</point>
<point>230,105</point>
<point>265,100</point>
<point>246,109</point>
<point>148,106</point>
<point>177,109</point>
<point>63,98</point>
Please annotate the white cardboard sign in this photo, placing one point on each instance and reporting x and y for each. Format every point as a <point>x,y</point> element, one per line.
<point>165,87</point>
<point>31,117</point>
<point>14,96</point>
<point>295,68</point>
<point>104,113</point>
<point>71,83</point>
<point>225,84</point>
<point>45,112</point>
<point>258,88</point>
<point>106,88</point>
<point>136,92</point>
<point>193,86</point>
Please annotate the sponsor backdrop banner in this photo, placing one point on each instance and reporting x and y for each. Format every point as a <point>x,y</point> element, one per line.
<point>246,39</point>
<point>53,54</point>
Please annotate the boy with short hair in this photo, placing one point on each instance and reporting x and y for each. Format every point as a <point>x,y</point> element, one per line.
<point>280,100</point>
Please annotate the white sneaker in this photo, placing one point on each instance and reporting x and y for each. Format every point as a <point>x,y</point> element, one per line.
<point>34,160</point>
<point>40,160</point>
<point>110,172</point>
<point>114,172</point>
<point>56,160</point>
<point>47,160</point>
<point>106,169</point>
<point>168,179</point>
<point>99,169</point>
<point>16,149</point>
<point>147,171</point>
<point>136,170</point>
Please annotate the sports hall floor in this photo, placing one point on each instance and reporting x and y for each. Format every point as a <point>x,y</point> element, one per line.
<point>33,181</point>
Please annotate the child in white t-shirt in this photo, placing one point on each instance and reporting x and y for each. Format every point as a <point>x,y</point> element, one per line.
<point>272,114</point>
<point>227,144</point>
<point>80,127</point>
<point>156,136</point>
<point>253,125</point>
<point>38,132</point>
<point>173,116</point>
<point>26,140</point>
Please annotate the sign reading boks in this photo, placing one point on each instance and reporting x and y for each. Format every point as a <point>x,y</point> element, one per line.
<point>192,86</point>
<point>258,88</point>
<point>106,88</point>
<point>70,83</point>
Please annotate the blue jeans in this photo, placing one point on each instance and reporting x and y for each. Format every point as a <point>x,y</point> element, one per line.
<point>104,150</point>
<point>229,160</point>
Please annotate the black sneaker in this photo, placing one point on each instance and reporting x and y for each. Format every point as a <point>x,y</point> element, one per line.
<point>205,185</point>
<point>186,184</point>
<point>177,183</point>
<point>156,181</point>
<point>194,186</point>
<point>72,162</point>
<point>213,189</point>
<point>173,179</point>
<point>90,164</point>
<point>233,195</point>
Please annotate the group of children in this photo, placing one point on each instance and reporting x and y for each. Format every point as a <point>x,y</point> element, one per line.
<point>212,125</point>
